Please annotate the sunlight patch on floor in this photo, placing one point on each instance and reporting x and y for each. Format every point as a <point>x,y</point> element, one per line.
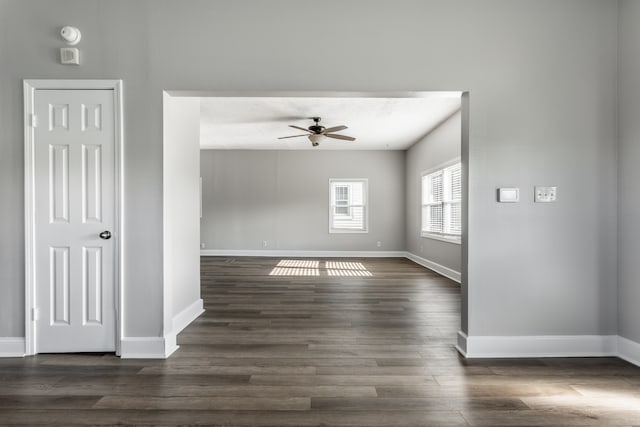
<point>283,271</point>
<point>590,398</point>
<point>301,267</point>
<point>299,263</point>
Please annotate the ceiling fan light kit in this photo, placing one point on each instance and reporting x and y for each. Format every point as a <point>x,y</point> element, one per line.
<point>317,132</point>
<point>315,139</point>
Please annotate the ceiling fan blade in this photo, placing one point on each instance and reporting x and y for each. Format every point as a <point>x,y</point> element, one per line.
<point>345,137</point>
<point>298,127</point>
<point>334,129</point>
<point>292,136</point>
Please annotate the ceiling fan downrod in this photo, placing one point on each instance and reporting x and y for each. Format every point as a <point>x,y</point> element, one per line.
<point>317,128</point>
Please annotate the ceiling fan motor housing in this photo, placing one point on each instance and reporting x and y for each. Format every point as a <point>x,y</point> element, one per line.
<point>316,128</point>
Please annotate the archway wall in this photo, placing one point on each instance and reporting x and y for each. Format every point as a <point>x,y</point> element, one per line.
<point>542,83</point>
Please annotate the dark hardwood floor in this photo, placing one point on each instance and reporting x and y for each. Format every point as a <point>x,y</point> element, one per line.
<point>351,342</point>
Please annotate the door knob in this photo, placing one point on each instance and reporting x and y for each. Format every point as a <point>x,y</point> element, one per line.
<point>106,235</point>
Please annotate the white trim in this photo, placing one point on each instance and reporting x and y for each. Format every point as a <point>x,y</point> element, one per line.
<point>303,254</point>
<point>12,347</point>
<point>316,94</point>
<point>178,323</point>
<point>29,88</point>
<point>438,268</point>
<point>29,218</point>
<point>629,350</point>
<point>118,101</point>
<point>461,346</point>
<point>186,316</point>
<point>537,346</point>
<point>147,347</point>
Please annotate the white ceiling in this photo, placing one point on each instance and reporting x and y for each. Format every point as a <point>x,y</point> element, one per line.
<point>377,123</point>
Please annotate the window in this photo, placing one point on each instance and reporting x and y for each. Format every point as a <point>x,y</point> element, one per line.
<point>342,199</point>
<point>348,206</point>
<point>441,203</point>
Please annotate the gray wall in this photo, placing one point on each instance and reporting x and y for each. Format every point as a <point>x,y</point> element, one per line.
<point>629,172</point>
<point>282,197</point>
<point>181,216</point>
<point>439,146</point>
<point>542,78</point>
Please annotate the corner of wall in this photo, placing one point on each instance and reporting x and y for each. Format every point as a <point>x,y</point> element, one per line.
<point>148,347</point>
<point>461,345</point>
<point>161,347</point>
<point>186,316</point>
<point>629,350</point>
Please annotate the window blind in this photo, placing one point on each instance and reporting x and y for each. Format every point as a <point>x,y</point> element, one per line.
<point>441,201</point>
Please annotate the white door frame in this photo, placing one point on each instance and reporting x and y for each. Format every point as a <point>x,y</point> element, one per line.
<point>30,87</point>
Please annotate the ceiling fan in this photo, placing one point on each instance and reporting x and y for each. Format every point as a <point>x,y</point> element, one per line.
<point>316,132</point>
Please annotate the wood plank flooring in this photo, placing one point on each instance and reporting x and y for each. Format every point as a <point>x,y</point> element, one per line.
<point>350,342</point>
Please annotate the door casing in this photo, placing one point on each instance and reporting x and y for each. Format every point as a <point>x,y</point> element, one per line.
<point>30,87</point>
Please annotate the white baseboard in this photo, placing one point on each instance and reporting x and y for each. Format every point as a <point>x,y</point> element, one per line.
<point>188,315</point>
<point>537,346</point>
<point>303,254</point>
<point>12,347</point>
<point>147,347</point>
<point>440,269</point>
<point>629,350</point>
<point>461,345</point>
<point>160,347</point>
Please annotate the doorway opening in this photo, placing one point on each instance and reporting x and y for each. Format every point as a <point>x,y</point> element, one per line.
<point>226,147</point>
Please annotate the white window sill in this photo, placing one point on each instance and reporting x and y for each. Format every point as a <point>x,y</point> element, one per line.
<point>338,231</point>
<point>457,240</point>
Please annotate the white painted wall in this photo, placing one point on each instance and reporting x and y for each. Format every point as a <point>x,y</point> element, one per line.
<point>282,197</point>
<point>181,206</point>
<point>542,78</point>
<point>629,172</point>
<point>439,146</point>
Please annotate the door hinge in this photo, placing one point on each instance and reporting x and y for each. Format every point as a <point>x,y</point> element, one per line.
<point>33,120</point>
<point>35,314</point>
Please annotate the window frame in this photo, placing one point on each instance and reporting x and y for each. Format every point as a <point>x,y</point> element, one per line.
<point>333,182</point>
<point>442,235</point>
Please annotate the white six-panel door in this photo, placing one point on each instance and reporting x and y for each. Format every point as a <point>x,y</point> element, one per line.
<point>74,189</point>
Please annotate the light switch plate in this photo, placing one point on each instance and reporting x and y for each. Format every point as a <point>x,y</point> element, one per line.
<point>545,194</point>
<point>508,194</point>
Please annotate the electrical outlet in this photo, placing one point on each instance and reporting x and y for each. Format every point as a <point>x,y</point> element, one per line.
<point>201,245</point>
<point>545,194</point>
<point>379,244</point>
<point>264,244</point>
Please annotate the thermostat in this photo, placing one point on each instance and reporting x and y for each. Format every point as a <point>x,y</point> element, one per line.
<point>508,194</point>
